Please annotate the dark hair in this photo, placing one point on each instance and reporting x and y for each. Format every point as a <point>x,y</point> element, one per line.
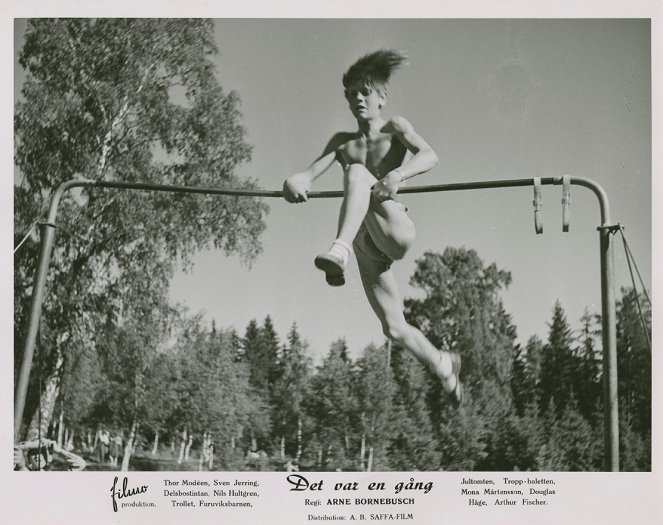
<point>38,455</point>
<point>375,68</point>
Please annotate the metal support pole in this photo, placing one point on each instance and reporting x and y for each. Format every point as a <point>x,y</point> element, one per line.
<point>609,337</point>
<point>610,408</point>
<point>608,329</point>
<point>39,285</point>
<point>38,289</point>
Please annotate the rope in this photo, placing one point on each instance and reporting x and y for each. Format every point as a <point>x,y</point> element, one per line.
<point>629,255</point>
<point>628,250</point>
<point>26,236</point>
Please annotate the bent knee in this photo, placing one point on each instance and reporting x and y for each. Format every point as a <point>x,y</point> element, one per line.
<point>395,331</point>
<point>359,173</point>
<point>394,239</point>
<point>400,243</point>
<point>358,168</point>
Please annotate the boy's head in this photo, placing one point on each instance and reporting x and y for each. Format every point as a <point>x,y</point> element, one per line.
<point>373,70</point>
<point>38,458</point>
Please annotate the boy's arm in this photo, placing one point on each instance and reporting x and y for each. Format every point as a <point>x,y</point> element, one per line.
<point>73,461</point>
<point>296,187</point>
<point>423,158</point>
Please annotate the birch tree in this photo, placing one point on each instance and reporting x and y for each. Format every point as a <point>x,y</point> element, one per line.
<point>120,100</point>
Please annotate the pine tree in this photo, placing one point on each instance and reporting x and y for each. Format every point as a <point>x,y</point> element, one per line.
<point>332,406</point>
<point>558,364</point>
<point>526,374</point>
<point>573,444</point>
<point>375,389</point>
<point>253,351</point>
<point>270,344</point>
<point>587,375</point>
<point>634,363</point>
<point>413,444</point>
<point>289,392</point>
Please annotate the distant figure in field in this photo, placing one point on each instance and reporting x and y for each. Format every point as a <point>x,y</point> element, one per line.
<point>376,159</point>
<point>115,448</point>
<point>104,444</point>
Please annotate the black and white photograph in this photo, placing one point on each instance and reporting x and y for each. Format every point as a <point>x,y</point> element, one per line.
<point>283,268</point>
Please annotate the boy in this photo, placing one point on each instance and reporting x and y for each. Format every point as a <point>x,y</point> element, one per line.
<point>43,455</point>
<point>375,160</point>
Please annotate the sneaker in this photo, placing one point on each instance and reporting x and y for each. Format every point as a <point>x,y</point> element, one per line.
<point>333,267</point>
<point>457,395</point>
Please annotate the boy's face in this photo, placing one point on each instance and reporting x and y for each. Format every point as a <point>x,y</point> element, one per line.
<point>365,101</point>
<point>37,460</point>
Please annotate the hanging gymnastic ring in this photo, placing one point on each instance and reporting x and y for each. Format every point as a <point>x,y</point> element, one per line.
<point>538,204</point>
<point>566,202</point>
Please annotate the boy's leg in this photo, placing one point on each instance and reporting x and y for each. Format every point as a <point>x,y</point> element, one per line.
<point>357,184</point>
<point>391,229</point>
<point>382,293</point>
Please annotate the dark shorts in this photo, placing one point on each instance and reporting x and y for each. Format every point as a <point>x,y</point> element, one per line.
<point>363,244</point>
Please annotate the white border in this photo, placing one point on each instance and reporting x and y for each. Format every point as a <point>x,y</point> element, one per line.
<point>85,497</point>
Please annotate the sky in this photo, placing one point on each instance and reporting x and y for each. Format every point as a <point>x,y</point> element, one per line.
<point>496,99</point>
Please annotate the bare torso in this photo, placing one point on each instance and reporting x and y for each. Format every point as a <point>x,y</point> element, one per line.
<point>380,153</point>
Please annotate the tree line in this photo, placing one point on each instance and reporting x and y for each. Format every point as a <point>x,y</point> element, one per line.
<point>252,401</point>
<point>139,100</point>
